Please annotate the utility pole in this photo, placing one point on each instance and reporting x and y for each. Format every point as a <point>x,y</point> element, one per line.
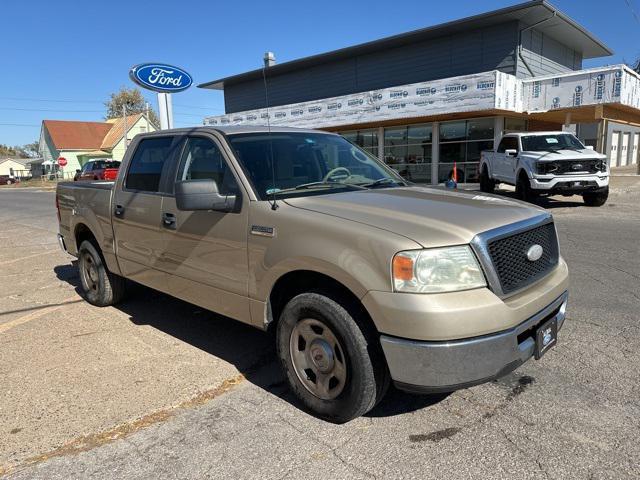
<point>146,112</point>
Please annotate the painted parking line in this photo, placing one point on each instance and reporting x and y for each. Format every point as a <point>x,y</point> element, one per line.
<point>35,315</point>
<point>16,260</point>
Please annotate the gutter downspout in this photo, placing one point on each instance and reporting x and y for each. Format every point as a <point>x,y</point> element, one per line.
<point>520,40</point>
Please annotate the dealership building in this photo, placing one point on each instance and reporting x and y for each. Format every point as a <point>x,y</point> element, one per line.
<point>425,99</point>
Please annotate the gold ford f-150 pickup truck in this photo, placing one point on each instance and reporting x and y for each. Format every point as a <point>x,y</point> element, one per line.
<point>364,277</point>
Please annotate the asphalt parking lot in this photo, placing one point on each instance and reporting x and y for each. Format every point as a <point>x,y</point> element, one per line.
<point>158,388</point>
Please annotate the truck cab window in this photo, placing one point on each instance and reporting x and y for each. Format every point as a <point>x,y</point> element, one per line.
<point>146,165</point>
<point>202,159</point>
<point>508,143</point>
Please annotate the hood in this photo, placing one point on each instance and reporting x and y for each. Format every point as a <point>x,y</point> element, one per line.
<point>584,154</point>
<point>430,216</point>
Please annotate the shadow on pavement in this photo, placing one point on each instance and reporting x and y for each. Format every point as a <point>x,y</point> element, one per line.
<point>250,350</point>
<point>548,202</point>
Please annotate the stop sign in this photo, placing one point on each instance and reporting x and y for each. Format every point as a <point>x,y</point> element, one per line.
<point>62,161</point>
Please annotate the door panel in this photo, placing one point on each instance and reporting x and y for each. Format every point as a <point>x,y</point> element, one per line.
<point>634,150</point>
<point>205,252</point>
<point>137,213</point>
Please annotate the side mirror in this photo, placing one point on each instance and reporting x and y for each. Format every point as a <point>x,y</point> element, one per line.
<point>511,152</point>
<point>589,147</point>
<point>202,195</point>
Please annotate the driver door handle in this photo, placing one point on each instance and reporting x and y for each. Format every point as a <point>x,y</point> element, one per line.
<point>118,211</point>
<point>169,220</point>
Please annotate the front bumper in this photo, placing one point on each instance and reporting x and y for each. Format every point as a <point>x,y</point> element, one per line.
<point>569,183</point>
<point>443,366</point>
<point>62,243</point>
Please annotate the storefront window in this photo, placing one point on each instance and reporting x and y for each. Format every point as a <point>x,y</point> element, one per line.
<point>408,151</point>
<point>461,142</point>
<point>515,125</point>
<point>367,139</point>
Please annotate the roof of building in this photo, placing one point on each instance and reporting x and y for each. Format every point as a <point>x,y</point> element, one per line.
<point>557,25</point>
<point>116,133</point>
<point>73,135</point>
<point>21,161</point>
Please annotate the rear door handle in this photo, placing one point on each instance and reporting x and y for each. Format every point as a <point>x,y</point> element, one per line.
<point>118,211</point>
<point>169,220</point>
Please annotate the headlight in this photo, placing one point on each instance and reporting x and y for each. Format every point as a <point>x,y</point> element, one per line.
<point>437,270</point>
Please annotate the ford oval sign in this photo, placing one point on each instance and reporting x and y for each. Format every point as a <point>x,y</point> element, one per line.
<point>160,77</point>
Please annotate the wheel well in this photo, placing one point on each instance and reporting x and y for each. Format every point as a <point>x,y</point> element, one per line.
<point>522,172</point>
<point>83,233</point>
<point>301,281</point>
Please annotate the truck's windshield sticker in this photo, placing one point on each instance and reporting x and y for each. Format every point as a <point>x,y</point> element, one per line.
<point>551,140</point>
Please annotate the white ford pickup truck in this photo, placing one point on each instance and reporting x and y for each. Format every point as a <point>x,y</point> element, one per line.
<point>546,163</point>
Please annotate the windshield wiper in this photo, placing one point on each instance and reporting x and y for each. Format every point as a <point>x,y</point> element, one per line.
<point>305,186</point>
<point>382,181</point>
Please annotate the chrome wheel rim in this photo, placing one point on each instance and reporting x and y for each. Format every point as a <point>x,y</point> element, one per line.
<point>89,272</point>
<point>318,359</point>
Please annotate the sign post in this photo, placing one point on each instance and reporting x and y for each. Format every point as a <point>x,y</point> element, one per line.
<point>62,162</point>
<point>165,80</point>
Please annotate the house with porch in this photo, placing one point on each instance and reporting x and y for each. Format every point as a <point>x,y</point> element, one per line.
<point>79,142</point>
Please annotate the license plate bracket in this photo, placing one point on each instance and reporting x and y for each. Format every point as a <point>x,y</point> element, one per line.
<point>546,337</point>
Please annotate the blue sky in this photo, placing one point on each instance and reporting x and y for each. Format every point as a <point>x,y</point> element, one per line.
<point>63,58</point>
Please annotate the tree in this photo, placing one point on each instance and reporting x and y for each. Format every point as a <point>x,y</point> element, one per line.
<point>31,149</point>
<point>134,101</point>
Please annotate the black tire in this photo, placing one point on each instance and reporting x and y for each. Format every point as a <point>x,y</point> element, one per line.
<point>523,189</point>
<point>487,185</point>
<point>366,373</point>
<point>100,287</point>
<point>595,199</point>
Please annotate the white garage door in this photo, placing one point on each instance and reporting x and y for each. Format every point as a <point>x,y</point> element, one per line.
<point>634,150</point>
<point>613,152</point>
<point>624,151</point>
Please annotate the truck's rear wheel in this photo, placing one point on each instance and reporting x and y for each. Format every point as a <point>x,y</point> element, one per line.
<point>331,364</point>
<point>596,199</point>
<point>487,185</point>
<point>100,287</point>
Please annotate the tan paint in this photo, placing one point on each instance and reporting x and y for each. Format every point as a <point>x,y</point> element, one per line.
<point>213,260</point>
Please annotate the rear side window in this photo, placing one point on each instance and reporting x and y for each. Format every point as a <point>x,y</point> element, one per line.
<point>146,165</point>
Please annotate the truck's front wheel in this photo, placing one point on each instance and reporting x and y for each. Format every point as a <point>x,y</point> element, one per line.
<point>99,286</point>
<point>486,184</point>
<point>596,199</point>
<point>523,189</point>
<point>331,364</point>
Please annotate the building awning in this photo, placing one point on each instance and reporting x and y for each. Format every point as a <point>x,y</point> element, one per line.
<point>557,26</point>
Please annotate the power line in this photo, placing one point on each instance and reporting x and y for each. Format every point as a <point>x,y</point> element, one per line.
<point>48,100</point>
<point>193,106</point>
<point>633,10</point>
<point>49,110</point>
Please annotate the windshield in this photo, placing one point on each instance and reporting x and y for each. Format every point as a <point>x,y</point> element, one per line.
<point>106,164</point>
<point>308,164</point>
<point>551,143</point>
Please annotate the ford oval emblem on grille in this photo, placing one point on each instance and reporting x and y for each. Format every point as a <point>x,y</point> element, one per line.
<point>534,253</point>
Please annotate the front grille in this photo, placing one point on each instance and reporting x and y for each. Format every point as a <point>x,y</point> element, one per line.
<point>509,257</point>
<point>562,167</point>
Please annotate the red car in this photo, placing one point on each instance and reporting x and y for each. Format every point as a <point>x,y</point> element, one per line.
<point>8,180</point>
<point>98,170</point>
